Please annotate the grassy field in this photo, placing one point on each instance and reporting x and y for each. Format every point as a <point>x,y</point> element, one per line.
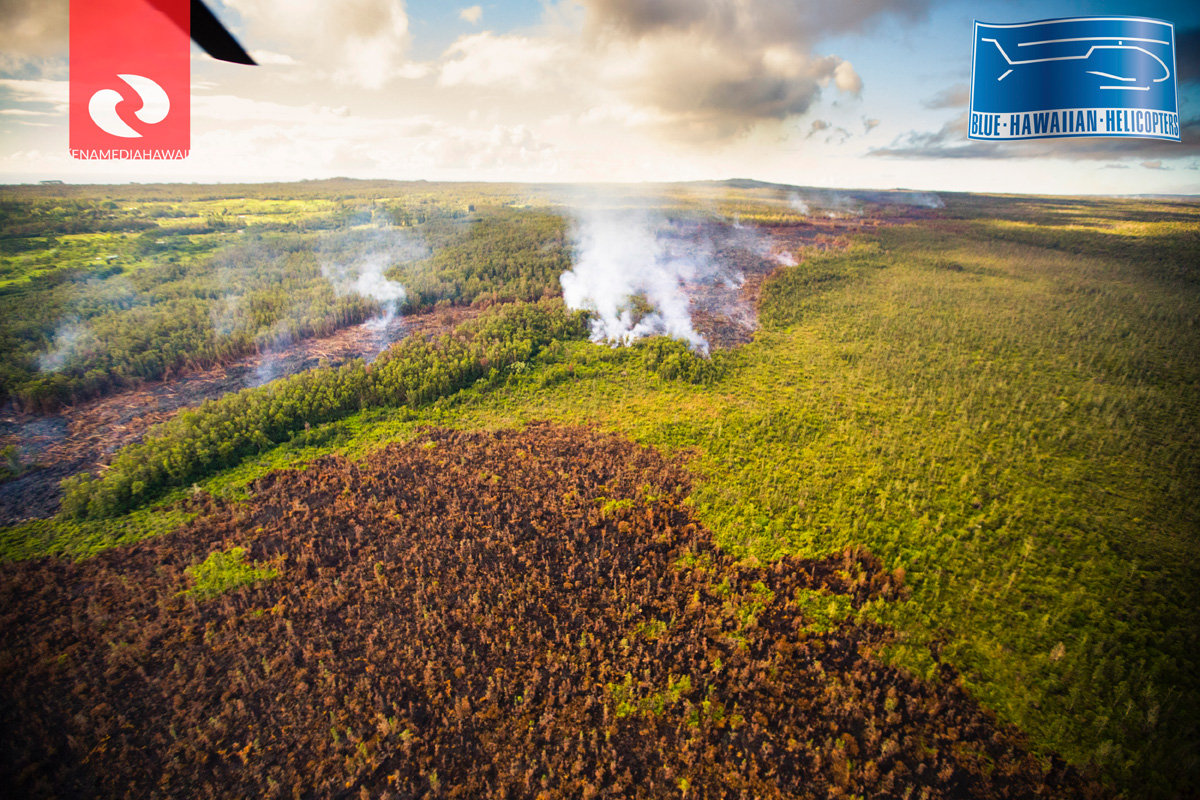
<point>1001,402</point>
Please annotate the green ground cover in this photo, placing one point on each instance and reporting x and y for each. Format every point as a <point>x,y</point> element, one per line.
<point>1002,403</point>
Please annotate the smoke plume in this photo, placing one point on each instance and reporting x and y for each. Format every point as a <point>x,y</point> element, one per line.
<point>796,202</point>
<point>70,340</point>
<point>632,269</point>
<point>357,264</point>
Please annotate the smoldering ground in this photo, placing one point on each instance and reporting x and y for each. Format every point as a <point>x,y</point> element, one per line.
<point>644,272</point>
<point>645,265</point>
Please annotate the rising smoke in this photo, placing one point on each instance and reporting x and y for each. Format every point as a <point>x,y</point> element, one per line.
<point>361,270</point>
<point>632,269</point>
<point>796,202</point>
<point>71,339</point>
<point>359,265</point>
<point>839,203</point>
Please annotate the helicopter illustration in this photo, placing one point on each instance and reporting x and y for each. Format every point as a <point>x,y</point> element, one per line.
<point>1131,65</point>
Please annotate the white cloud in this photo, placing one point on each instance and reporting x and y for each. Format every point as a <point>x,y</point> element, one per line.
<point>32,28</point>
<point>227,108</point>
<point>846,79</point>
<point>512,62</point>
<point>721,68</point>
<point>696,71</point>
<point>268,58</point>
<point>413,70</point>
<point>56,93</point>
<point>471,14</point>
<point>353,42</point>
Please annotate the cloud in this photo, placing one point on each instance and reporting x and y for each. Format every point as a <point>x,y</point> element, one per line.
<point>353,42</point>
<point>267,58</point>
<point>1153,165</point>
<point>817,126</point>
<point>472,14</point>
<point>752,19</point>
<point>33,28</point>
<point>715,69</point>
<point>512,62</point>
<point>846,79</point>
<point>838,135</point>
<point>413,70</point>
<point>956,96</point>
<point>56,93</point>
<point>869,124</point>
<point>705,90</point>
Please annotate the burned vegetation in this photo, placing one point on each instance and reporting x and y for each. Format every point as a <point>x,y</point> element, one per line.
<point>529,613</point>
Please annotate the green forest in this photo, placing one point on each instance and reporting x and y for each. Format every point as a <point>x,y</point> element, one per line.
<point>119,294</point>
<point>997,401</point>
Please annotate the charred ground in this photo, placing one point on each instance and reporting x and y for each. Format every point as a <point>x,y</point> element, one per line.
<point>530,613</point>
<point>84,436</point>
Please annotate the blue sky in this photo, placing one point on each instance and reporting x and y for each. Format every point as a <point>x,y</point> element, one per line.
<point>865,94</point>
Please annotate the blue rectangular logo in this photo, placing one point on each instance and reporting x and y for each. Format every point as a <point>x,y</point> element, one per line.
<point>1084,76</point>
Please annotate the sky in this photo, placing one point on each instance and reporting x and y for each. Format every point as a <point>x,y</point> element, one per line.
<point>863,94</point>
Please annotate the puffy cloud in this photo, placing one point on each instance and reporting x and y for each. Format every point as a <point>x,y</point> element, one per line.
<point>354,42</point>
<point>714,69</point>
<point>514,62</point>
<point>846,79</point>
<point>708,90</point>
<point>817,126</point>
<point>869,124</point>
<point>471,14</point>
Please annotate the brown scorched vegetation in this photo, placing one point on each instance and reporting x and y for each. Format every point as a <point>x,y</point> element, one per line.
<point>527,613</point>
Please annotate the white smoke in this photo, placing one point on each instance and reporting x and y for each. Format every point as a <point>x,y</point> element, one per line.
<point>70,340</point>
<point>73,339</point>
<point>357,264</point>
<point>270,365</point>
<point>797,203</point>
<point>226,315</point>
<point>363,272</point>
<point>372,283</point>
<point>623,256</point>
<point>922,199</point>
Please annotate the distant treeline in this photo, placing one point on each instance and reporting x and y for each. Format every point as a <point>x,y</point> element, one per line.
<point>61,216</point>
<point>222,432</point>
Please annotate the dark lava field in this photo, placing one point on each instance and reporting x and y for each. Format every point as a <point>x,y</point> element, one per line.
<point>530,613</point>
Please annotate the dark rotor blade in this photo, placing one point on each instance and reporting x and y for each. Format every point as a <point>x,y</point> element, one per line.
<point>210,34</point>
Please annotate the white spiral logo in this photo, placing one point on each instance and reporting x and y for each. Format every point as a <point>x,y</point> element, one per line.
<point>103,106</point>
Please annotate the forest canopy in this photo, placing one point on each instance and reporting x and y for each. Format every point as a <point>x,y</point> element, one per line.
<point>100,296</point>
